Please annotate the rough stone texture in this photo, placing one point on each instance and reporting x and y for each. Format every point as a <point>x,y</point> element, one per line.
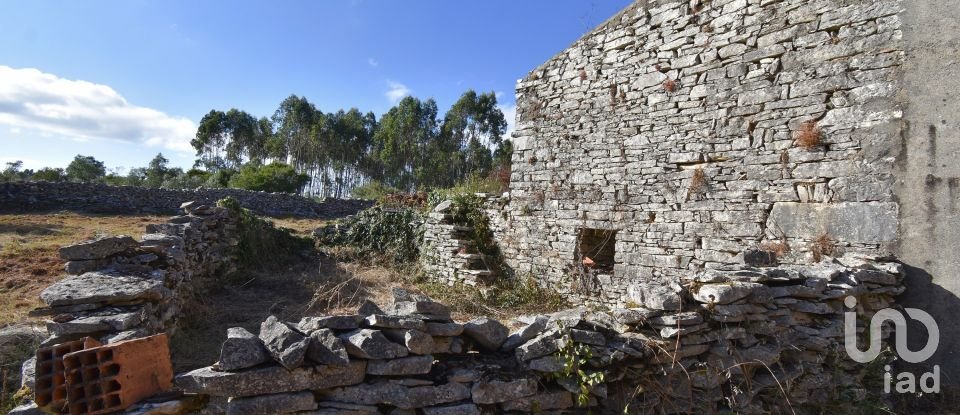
<point>281,403</point>
<point>241,350</point>
<point>499,391</point>
<point>98,198</point>
<point>98,249</point>
<point>399,396</point>
<point>415,365</point>
<point>104,288</point>
<point>270,380</point>
<point>489,333</point>
<point>861,222</point>
<point>733,327</point>
<point>462,409</point>
<point>326,348</point>
<point>285,345</point>
<point>371,344</point>
<point>675,126</point>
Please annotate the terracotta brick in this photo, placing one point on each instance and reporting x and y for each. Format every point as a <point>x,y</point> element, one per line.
<point>111,378</point>
<point>50,392</point>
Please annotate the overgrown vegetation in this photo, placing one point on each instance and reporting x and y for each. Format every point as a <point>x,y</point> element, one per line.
<point>574,357</point>
<point>379,232</point>
<point>261,242</point>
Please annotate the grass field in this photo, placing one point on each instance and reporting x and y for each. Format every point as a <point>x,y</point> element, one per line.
<point>28,252</point>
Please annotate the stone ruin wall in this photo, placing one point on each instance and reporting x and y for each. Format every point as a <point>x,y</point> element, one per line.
<point>99,198</point>
<point>721,339</point>
<point>674,124</point>
<point>757,341</point>
<point>731,343</point>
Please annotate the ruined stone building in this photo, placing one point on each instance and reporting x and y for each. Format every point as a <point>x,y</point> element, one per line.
<point>680,135</point>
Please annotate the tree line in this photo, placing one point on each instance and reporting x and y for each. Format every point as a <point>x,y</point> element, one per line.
<point>409,148</point>
<point>301,149</point>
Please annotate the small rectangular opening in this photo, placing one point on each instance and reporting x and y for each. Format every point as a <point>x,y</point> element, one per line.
<point>596,249</point>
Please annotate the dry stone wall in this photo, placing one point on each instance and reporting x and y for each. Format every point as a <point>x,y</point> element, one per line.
<point>750,340</point>
<point>693,132</point>
<point>98,198</point>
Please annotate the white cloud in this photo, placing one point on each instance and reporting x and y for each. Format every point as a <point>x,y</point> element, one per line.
<point>15,130</point>
<point>397,91</point>
<point>81,110</point>
<point>373,62</point>
<point>510,113</point>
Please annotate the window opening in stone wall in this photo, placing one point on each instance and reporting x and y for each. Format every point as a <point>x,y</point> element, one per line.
<point>596,249</point>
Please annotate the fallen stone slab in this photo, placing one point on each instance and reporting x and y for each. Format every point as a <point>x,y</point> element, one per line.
<point>270,379</point>
<point>285,345</point>
<point>98,249</point>
<point>104,288</point>
<point>497,391</point>
<point>415,365</point>
<point>280,403</point>
<point>488,333</point>
<point>372,344</point>
<point>241,350</point>
<point>326,348</point>
<point>400,396</point>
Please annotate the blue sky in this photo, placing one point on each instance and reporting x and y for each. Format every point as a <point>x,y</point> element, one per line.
<point>123,80</point>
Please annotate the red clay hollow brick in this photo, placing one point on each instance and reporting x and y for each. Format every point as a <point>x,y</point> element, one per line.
<point>50,392</point>
<point>111,378</point>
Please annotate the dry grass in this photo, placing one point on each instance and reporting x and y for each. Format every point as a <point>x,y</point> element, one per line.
<point>28,252</point>
<point>779,248</point>
<point>823,245</point>
<point>670,85</point>
<point>698,183</point>
<point>808,136</point>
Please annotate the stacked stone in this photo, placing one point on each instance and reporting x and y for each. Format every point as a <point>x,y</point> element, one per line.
<point>751,340</point>
<point>99,198</point>
<point>701,129</point>
<point>448,254</point>
<point>120,289</point>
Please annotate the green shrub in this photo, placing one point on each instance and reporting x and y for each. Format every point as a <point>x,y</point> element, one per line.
<point>273,177</point>
<point>377,232</point>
